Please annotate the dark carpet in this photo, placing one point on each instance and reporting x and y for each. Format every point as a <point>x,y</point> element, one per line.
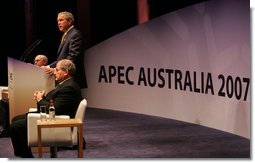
<point>115,134</point>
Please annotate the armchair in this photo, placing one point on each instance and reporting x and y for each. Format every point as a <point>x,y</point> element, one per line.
<point>53,137</point>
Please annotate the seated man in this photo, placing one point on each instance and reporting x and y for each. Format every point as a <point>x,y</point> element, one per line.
<point>40,60</point>
<point>66,97</point>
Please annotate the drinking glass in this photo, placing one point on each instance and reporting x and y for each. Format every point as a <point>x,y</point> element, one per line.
<point>43,112</point>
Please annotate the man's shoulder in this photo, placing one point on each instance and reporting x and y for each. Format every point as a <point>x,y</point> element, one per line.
<point>75,31</point>
<point>70,82</point>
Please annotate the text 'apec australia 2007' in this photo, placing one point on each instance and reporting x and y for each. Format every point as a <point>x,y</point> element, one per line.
<point>193,81</point>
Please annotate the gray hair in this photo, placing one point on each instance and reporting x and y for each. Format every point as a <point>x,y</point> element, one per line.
<point>67,65</point>
<point>43,57</point>
<point>67,15</point>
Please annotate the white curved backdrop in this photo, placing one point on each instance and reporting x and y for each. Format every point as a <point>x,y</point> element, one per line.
<point>192,65</point>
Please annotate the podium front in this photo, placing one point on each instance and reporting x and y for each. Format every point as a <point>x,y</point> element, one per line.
<point>23,80</point>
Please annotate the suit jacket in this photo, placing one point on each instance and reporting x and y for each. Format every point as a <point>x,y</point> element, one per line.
<point>72,48</point>
<point>66,96</point>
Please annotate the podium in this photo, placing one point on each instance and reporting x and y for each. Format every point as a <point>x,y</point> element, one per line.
<point>23,80</point>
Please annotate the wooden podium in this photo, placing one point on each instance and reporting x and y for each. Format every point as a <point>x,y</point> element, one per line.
<point>23,80</point>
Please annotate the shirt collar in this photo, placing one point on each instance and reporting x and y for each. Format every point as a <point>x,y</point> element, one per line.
<point>64,80</point>
<point>69,29</point>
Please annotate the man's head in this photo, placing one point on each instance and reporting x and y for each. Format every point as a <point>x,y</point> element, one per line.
<point>64,69</point>
<point>41,60</point>
<point>65,21</point>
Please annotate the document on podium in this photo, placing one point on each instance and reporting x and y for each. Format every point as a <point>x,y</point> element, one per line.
<point>23,80</point>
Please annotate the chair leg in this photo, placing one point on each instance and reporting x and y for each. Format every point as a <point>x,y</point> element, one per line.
<point>53,152</point>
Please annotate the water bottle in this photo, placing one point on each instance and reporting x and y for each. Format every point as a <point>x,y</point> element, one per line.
<point>51,110</point>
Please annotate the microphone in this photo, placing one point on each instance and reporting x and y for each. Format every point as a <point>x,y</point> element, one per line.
<point>30,49</point>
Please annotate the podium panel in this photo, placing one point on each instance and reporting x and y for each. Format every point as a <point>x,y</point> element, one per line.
<point>23,80</point>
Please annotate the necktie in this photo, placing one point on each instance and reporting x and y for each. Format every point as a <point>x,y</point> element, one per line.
<point>63,37</point>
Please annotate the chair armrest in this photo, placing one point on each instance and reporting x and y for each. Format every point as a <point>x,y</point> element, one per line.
<point>2,88</point>
<point>32,110</point>
<point>50,136</point>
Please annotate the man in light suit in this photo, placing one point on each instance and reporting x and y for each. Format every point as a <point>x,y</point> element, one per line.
<point>71,46</point>
<point>66,97</point>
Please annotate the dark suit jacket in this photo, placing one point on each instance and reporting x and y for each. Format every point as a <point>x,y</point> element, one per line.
<point>66,96</point>
<point>72,48</point>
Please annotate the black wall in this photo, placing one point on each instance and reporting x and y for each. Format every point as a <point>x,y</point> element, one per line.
<point>107,18</point>
<point>111,17</point>
<point>12,34</point>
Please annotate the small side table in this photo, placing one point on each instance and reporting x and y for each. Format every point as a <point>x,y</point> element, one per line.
<point>60,123</point>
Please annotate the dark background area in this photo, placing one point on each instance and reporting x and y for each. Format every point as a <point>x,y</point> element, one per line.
<point>106,19</point>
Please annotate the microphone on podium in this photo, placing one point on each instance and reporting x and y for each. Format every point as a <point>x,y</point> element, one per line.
<point>30,49</point>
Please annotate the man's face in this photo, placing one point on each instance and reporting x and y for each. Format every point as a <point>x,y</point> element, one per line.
<point>60,75</point>
<point>39,62</point>
<point>63,24</point>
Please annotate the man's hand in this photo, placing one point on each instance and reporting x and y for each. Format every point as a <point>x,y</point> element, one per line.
<point>48,70</point>
<point>38,95</point>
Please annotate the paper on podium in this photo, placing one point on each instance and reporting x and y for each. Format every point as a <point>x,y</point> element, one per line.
<point>23,80</point>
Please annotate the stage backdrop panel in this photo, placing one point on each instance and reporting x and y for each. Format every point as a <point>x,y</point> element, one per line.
<point>192,65</point>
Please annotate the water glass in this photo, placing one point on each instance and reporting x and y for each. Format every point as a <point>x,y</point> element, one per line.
<point>43,112</point>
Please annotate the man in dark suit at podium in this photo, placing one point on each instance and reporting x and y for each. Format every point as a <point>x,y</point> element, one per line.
<point>71,47</point>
